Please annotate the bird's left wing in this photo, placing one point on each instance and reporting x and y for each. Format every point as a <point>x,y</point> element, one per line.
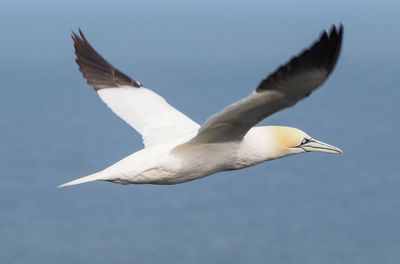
<point>143,109</point>
<point>284,88</point>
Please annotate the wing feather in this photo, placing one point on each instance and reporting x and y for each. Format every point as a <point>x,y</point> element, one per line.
<point>289,84</point>
<point>143,109</point>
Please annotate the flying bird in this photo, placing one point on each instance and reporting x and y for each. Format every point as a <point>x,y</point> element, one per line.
<point>177,149</point>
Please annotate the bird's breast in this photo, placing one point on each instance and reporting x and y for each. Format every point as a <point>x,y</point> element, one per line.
<point>192,162</point>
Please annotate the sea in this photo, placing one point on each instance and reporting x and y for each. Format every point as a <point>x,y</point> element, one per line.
<point>200,56</point>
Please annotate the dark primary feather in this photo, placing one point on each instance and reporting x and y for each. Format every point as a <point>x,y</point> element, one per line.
<point>96,70</point>
<point>282,89</point>
<point>322,55</point>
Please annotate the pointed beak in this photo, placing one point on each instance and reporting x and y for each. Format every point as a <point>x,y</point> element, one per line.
<point>318,146</point>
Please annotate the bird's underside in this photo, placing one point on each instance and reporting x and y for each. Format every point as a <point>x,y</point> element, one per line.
<point>167,133</point>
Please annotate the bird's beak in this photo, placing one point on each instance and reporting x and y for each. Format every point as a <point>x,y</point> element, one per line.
<point>318,146</point>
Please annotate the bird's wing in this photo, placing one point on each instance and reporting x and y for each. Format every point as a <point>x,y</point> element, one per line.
<point>143,109</point>
<point>284,88</point>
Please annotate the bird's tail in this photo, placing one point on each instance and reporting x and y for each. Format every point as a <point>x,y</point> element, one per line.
<point>92,177</point>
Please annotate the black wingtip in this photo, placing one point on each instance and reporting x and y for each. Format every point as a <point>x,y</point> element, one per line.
<point>327,48</point>
<point>82,35</point>
<point>322,55</point>
<point>336,34</point>
<point>96,70</point>
<point>73,35</point>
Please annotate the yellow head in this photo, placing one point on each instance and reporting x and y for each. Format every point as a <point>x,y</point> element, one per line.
<point>289,140</point>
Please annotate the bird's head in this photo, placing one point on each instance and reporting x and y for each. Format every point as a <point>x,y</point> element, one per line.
<point>289,140</point>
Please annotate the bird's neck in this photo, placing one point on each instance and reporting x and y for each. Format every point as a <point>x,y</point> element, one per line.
<point>260,144</point>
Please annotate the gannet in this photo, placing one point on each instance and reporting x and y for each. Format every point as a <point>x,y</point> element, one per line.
<point>177,149</point>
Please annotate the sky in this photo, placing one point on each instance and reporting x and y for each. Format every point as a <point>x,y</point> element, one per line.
<point>200,56</point>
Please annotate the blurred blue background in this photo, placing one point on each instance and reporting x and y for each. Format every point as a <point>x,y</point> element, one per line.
<point>201,56</point>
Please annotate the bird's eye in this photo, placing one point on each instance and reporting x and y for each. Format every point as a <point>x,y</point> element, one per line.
<point>305,141</point>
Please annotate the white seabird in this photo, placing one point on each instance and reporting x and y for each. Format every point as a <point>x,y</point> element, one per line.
<point>177,149</point>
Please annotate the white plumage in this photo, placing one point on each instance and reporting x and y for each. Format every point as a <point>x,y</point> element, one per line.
<point>177,149</point>
<point>148,113</point>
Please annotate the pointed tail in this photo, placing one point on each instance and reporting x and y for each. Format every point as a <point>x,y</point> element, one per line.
<point>92,177</point>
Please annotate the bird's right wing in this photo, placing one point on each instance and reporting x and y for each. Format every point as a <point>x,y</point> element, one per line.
<point>284,88</point>
<point>143,109</point>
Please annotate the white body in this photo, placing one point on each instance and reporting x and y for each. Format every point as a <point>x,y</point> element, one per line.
<point>168,164</point>
<point>177,149</point>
